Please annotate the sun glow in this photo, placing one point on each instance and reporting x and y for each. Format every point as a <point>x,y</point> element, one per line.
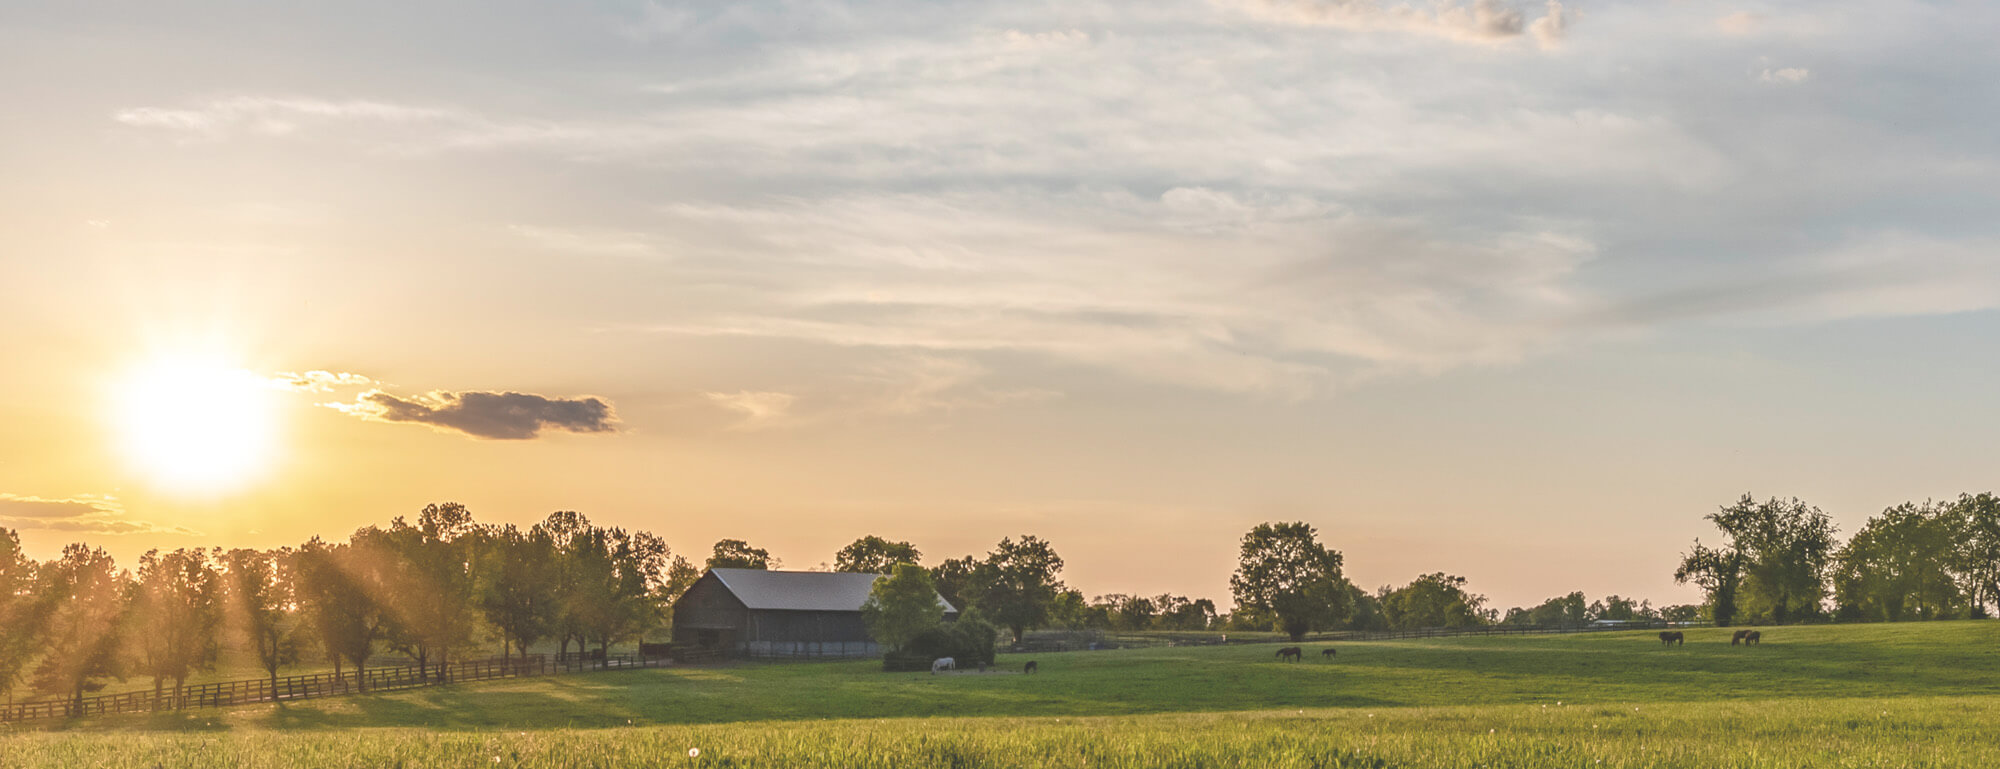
<point>196,426</point>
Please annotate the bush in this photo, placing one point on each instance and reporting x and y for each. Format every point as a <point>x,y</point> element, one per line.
<point>970,642</point>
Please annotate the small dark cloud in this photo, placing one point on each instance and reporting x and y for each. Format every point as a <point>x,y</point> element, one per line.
<point>90,515</point>
<point>499,416</point>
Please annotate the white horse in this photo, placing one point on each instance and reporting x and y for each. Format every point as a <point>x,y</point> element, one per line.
<point>943,663</point>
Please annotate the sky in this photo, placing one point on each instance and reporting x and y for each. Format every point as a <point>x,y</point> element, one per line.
<point>1517,291</point>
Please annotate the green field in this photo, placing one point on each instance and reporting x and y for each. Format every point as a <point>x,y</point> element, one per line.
<point>1904,695</point>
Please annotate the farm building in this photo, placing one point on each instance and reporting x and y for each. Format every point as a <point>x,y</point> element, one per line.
<point>757,613</point>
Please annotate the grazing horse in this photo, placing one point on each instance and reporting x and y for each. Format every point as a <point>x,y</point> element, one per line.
<point>1745,637</point>
<point>1751,638</point>
<point>943,663</point>
<point>1671,637</point>
<point>1031,667</point>
<point>1291,653</point>
<point>1327,654</point>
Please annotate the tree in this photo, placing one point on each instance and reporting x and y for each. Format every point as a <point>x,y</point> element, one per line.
<point>1283,572</point>
<point>569,531</point>
<point>1434,600</point>
<point>1016,585</point>
<point>954,580</point>
<point>176,608</point>
<point>681,575</point>
<point>1719,573</point>
<point>874,555</point>
<point>337,587</point>
<point>1563,611</point>
<point>1773,561</point>
<point>258,606</point>
<point>1979,548</point>
<point>516,584</point>
<point>901,605</point>
<point>738,554</point>
<point>1903,565</point>
<point>20,615</point>
<point>86,594</point>
<point>1181,613</point>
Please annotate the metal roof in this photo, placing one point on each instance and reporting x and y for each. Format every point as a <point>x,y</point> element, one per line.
<point>801,590</point>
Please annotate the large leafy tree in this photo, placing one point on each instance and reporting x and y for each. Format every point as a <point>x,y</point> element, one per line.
<point>516,584</point>
<point>1979,548</point>
<point>339,587</point>
<point>259,607</point>
<point>954,580</point>
<point>738,554</point>
<point>175,613</point>
<point>1903,565</point>
<point>902,605</point>
<point>85,593</point>
<point>1282,571</point>
<point>874,555</point>
<point>1773,561</point>
<point>1017,584</point>
<point>430,584</point>
<point>1433,600</point>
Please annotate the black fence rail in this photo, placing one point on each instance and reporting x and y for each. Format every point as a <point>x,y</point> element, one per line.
<point>314,686</point>
<point>1098,640</point>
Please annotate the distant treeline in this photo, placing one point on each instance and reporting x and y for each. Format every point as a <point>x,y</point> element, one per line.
<point>445,586</point>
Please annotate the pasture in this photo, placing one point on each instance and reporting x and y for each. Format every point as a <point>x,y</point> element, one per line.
<point>1879,695</point>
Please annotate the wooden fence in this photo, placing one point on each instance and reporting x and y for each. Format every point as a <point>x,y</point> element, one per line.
<point>306,687</point>
<point>1095,640</point>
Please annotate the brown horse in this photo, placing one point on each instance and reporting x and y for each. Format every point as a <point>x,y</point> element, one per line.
<point>1030,667</point>
<point>1327,654</point>
<point>1291,654</point>
<point>1745,637</point>
<point>1671,637</point>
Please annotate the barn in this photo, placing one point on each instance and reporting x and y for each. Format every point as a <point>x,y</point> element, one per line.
<point>758,613</point>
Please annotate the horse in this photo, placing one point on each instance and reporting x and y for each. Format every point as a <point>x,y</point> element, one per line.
<point>1740,637</point>
<point>1671,637</point>
<point>1291,653</point>
<point>1031,667</point>
<point>1327,654</point>
<point>1751,638</point>
<point>943,663</point>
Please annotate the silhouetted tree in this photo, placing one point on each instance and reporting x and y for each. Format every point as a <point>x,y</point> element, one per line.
<point>1283,572</point>
<point>738,554</point>
<point>954,580</point>
<point>175,611</point>
<point>259,606</point>
<point>874,555</point>
<point>86,595</point>
<point>20,613</point>
<point>1719,574</point>
<point>338,585</point>
<point>1979,548</point>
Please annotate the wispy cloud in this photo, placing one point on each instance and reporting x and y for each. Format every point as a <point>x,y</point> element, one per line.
<point>320,381</point>
<point>493,415</point>
<point>83,514</point>
<point>759,410</point>
<point>1784,75</point>
<point>1482,21</point>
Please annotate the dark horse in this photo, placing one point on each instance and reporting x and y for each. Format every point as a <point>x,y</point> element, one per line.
<point>1671,637</point>
<point>1327,653</point>
<point>1030,667</point>
<point>1292,653</point>
<point>1746,637</point>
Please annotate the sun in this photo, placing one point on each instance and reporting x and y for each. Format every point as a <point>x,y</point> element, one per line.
<point>196,426</point>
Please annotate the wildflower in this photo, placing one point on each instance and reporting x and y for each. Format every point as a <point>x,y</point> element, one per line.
<point>694,752</point>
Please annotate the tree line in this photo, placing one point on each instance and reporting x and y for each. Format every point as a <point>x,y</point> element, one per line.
<point>443,586</point>
<point>1779,561</point>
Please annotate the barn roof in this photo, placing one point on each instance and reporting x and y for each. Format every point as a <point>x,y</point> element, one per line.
<point>801,590</point>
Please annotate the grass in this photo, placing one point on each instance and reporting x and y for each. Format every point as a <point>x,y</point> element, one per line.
<point>1883,695</point>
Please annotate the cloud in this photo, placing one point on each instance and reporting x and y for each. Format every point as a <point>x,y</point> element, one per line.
<point>1474,21</point>
<point>759,409</point>
<point>926,383</point>
<point>1785,75</point>
<point>271,116</point>
<point>1740,23</point>
<point>320,381</point>
<point>494,415</point>
<point>84,514</point>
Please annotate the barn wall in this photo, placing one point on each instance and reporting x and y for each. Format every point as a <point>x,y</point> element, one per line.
<point>708,614</point>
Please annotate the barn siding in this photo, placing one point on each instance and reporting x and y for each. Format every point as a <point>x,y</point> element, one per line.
<point>708,615</point>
